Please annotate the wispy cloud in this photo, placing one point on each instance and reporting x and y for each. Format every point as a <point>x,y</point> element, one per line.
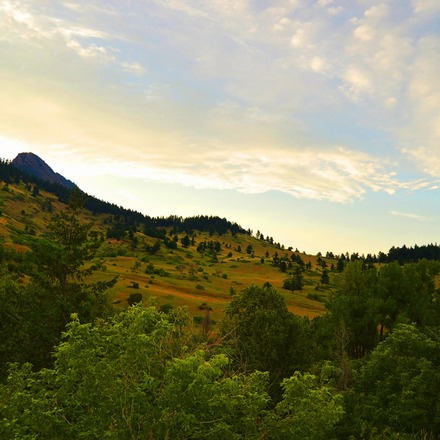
<point>134,67</point>
<point>340,176</point>
<point>412,216</point>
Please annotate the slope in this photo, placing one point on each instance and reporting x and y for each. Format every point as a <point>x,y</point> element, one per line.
<point>175,264</point>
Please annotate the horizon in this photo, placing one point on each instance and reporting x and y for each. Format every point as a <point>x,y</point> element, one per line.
<point>315,124</point>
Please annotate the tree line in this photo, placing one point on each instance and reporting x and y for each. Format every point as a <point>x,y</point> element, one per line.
<point>403,254</point>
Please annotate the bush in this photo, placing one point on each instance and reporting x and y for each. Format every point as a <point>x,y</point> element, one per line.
<point>315,296</point>
<point>134,298</point>
<point>162,272</point>
<point>149,269</point>
<point>166,308</point>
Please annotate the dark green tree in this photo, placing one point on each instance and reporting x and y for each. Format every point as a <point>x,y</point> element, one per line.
<point>264,335</point>
<point>396,390</point>
<point>65,260</point>
<point>423,299</point>
<point>325,279</point>
<point>13,324</point>
<point>340,265</point>
<point>355,307</point>
<point>392,291</point>
<point>294,282</point>
<point>186,241</point>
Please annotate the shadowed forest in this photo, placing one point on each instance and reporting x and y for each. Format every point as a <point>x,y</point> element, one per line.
<point>117,325</point>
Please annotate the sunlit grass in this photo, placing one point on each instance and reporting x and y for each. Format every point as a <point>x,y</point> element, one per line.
<point>183,276</point>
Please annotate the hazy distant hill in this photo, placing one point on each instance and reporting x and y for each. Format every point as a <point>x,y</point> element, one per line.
<point>34,165</point>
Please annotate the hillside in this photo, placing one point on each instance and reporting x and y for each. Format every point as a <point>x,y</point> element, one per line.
<point>178,265</point>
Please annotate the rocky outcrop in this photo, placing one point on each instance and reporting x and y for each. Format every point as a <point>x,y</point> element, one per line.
<point>32,164</point>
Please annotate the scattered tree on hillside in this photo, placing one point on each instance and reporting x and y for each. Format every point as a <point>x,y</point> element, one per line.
<point>340,265</point>
<point>152,250</point>
<point>294,282</point>
<point>186,241</point>
<point>325,279</point>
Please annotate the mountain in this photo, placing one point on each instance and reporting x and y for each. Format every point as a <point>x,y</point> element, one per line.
<point>35,166</point>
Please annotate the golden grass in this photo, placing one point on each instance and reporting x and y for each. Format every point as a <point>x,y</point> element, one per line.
<point>211,284</point>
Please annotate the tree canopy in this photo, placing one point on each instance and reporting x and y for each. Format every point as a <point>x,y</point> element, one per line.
<point>139,376</point>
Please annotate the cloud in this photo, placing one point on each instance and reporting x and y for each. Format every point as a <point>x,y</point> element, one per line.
<point>86,141</point>
<point>339,175</point>
<point>335,10</point>
<point>185,85</point>
<point>426,6</point>
<point>22,22</point>
<point>69,32</point>
<point>357,83</point>
<point>134,67</point>
<point>89,51</point>
<point>420,137</point>
<point>377,12</point>
<point>325,2</point>
<point>412,216</point>
<point>299,38</point>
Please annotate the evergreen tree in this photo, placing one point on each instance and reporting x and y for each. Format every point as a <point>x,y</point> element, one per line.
<point>325,279</point>
<point>186,241</point>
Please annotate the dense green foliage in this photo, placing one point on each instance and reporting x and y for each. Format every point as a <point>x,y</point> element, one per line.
<point>367,299</point>
<point>139,376</point>
<point>398,386</point>
<point>265,336</point>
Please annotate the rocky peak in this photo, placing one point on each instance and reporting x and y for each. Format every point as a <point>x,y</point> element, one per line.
<point>35,166</point>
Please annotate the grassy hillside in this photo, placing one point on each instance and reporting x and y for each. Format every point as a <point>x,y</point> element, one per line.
<point>181,276</point>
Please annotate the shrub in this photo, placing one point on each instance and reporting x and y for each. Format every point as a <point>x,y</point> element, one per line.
<point>134,298</point>
<point>315,296</point>
<point>166,308</point>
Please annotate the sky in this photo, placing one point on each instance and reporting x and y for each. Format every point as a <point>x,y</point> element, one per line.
<point>316,122</point>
